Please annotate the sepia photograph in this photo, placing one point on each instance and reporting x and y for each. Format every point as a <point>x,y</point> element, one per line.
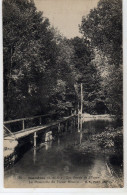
<point>63,94</point>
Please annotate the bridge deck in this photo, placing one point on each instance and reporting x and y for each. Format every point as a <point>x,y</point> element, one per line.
<point>28,131</point>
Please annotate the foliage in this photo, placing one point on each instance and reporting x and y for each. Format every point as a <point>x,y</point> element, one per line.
<point>34,63</point>
<point>43,70</point>
<point>103,28</point>
<point>87,73</point>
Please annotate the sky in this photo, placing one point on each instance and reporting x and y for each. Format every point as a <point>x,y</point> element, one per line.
<point>66,15</point>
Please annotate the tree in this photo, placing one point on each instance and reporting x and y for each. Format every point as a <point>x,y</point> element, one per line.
<point>28,55</point>
<point>64,96</point>
<point>103,28</point>
<point>37,63</point>
<point>87,72</point>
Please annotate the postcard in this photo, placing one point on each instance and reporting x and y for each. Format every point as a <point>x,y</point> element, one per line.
<point>63,94</point>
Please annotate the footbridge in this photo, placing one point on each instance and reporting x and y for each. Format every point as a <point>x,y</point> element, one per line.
<point>20,128</point>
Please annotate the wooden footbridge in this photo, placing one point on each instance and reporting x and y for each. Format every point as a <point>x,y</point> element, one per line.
<point>19,128</point>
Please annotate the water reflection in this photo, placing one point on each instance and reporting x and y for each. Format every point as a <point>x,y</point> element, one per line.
<point>80,136</point>
<point>69,155</point>
<point>48,144</point>
<point>34,155</point>
<point>58,141</point>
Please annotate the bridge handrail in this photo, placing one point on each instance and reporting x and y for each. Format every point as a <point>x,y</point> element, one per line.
<point>10,132</point>
<point>28,118</point>
<point>29,131</point>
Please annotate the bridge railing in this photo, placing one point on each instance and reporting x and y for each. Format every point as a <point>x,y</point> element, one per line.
<point>29,122</point>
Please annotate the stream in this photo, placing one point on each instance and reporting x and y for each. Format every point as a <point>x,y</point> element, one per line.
<point>62,162</point>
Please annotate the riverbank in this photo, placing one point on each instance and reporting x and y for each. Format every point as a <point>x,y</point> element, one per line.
<point>108,143</point>
<point>88,117</point>
<point>10,155</point>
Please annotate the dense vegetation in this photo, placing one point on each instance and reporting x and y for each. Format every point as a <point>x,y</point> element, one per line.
<point>103,27</point>
<point>43,70</point>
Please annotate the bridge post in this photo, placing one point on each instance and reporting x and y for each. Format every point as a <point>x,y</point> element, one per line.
<point>23,124</point>
<point>35,136</point>
<point>81,122</point>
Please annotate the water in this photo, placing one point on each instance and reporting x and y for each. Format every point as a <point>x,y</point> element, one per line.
<point>72,159</point>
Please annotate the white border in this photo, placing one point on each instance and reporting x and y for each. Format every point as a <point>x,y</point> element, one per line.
<point>46,191</point>
<point>1,100</point>
<point>125,87</point>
